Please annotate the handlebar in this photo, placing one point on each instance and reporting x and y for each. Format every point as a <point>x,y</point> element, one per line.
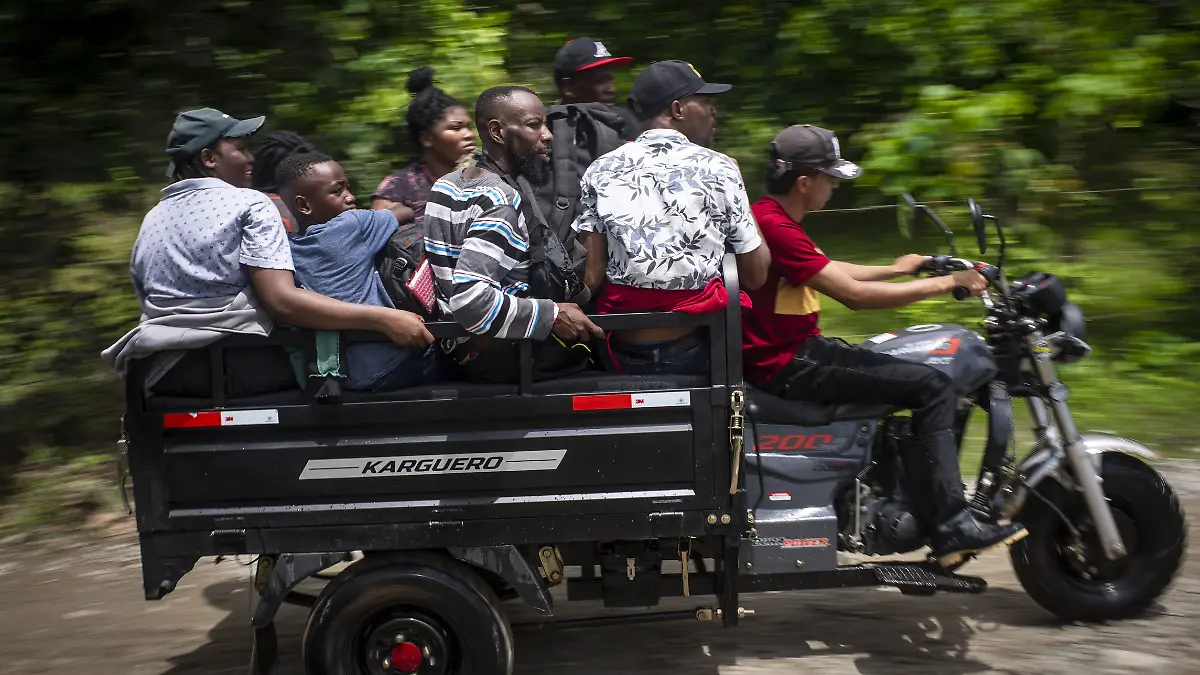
<point>943,265</point>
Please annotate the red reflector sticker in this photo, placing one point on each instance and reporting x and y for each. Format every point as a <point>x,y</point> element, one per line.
<point>657,399</point>
<point>606,402</point>
<point>189,420</point>
<point>780,496</point>
<point>218,418</point>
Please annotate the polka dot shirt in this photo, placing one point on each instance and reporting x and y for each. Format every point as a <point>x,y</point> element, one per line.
<point>197,241</point>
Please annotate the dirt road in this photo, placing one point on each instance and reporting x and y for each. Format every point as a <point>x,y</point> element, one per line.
<point>76,607</point>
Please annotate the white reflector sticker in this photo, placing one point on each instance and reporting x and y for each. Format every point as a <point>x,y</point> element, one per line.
<point>220,418</point>
<point>241,418</point>
<point>651,399</point>
<point>883,337</point>
<point>432,465</point>
<point>664,399</point>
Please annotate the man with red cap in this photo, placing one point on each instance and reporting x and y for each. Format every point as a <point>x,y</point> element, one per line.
<point>586,124</point>
<point>583,71</point>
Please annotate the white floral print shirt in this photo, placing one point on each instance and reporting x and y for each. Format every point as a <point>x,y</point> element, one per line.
<point>668,208</point>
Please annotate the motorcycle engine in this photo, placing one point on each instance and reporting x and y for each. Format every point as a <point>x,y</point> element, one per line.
<point>888,523</point>
<point>888,526</point>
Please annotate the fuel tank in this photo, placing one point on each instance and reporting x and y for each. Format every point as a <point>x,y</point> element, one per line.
<point>953,349</point>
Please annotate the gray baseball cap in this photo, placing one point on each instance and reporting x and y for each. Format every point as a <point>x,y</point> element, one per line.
<point>195,130</point>
<point>806,147</point>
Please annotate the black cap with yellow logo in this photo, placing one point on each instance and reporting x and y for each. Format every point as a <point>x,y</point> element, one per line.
<point>664,82</point>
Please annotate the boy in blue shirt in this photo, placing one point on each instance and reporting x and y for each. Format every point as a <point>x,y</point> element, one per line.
<point>334,254</point>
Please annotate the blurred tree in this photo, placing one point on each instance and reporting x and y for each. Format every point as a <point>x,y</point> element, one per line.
<point>1032,106</point>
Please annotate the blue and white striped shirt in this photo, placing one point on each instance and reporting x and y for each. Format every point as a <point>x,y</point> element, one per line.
<point>478,246</point>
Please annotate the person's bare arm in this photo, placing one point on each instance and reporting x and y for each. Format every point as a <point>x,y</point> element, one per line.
<point>742,232</point>
<point>403,213</point>
<point>305,309</point>
<point>902,266</point>
<point>753,267</point>
<point>597,259</point>
<point>834,282</point>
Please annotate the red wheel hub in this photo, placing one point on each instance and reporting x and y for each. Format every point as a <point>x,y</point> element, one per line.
<point>406,657</point>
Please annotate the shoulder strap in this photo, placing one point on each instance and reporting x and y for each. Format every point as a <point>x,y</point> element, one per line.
<point>566,178</point>
<point>533,215</point>
<point>606,138</point>
<point>545,247</point>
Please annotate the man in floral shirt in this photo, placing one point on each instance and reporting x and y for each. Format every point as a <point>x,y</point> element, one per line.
<point>657,217</point>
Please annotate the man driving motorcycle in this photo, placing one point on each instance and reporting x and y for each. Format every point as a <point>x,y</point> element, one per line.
<point>785,354</point>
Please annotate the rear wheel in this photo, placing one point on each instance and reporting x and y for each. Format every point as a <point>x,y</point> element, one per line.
<point>417,614</point>
<point>1072,578</point>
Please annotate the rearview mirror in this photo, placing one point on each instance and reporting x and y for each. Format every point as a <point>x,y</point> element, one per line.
<point>979,221</point>
<point>906,216</point>
<point>907,213</point>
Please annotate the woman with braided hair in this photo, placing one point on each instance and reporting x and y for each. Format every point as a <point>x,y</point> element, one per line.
<point>274,149</point>
<point>441,131</point>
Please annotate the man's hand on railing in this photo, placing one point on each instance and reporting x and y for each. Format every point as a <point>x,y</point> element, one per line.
<point>572,324</point>
<point>404,328</point>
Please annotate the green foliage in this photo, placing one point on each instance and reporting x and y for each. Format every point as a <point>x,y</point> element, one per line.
<point>1031,106</point>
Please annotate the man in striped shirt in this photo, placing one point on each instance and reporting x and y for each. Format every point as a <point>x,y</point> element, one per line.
<point>477,230</point>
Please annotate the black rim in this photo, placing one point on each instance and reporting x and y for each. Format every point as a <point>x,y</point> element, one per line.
<point>407,641</point>
<point>1083,559</point>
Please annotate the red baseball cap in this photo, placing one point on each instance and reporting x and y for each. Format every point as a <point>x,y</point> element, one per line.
<point>584,54</point>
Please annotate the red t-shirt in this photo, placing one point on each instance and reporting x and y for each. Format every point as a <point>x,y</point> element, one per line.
<point>785,311</point>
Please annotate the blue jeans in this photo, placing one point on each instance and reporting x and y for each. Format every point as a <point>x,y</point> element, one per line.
<point>406,367</point>
<point>648,358</point>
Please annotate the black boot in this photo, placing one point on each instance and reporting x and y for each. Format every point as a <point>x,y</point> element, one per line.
<point>964,535</point>
<point>956,531</point>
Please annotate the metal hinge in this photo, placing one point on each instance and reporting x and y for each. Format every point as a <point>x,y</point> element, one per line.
<point>551,562</point>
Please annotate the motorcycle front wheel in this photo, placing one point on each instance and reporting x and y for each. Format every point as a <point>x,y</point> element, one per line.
<point>1071,577</point>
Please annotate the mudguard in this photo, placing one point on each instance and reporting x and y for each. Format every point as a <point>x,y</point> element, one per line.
<point>1047,461</point>
<point>1097,444</point>
<point>509,564</point>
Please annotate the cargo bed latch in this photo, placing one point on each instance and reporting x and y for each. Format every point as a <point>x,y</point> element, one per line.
<point>685,552</point>
<point>736,427</point>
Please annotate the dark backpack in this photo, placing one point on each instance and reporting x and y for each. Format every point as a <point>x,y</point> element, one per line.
<point>582,132</point>
<point>406,273</point>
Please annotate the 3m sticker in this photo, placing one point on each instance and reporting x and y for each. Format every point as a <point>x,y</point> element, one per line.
<point>780,496</point>
<point>883,337</point>
<point>220,418</point>
<point>432,465</point>
<point>656,399</point>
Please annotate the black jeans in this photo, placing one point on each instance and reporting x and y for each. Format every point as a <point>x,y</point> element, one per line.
<point>831,371</point>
